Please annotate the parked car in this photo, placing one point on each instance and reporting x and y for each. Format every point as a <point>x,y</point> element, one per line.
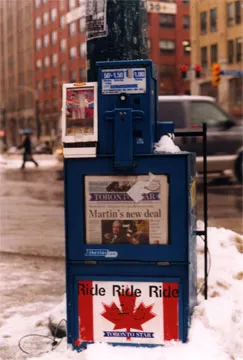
<point>224,134</point>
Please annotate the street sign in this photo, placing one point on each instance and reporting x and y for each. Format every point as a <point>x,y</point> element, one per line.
<point>129,81</point>
<point>232,73</point>
<point>161,8</point>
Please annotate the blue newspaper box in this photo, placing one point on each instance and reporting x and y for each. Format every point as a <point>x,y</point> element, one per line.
<point>129,213</point>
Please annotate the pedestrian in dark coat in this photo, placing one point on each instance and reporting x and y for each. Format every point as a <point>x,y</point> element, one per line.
<point>27,155</point>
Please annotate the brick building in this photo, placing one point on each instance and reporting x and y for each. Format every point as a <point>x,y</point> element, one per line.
<point>169,43</point>
<point>217,29</point>
<point>54,52</point>
<point>16,69</point>
<point>60,56</point>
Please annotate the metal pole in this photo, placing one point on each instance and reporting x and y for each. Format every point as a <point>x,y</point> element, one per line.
<point>205,210</point>
<point>126,37</point>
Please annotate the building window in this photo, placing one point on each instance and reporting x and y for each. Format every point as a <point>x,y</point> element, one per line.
<point>38,106</point>
<point>204,57</point>
<point>186,22</point>
<point>10,42</point>
<point>53,14</point>
<point>63,45</point>
<point>54,82</point>
<point>71,4</point>
<point>230,51</point>
<point>238,45</point>
<point>37,3</point>
<point>167,21</point>
<point>38,22</point>
<point>82,24</point>
<point>203,22</point>
<point>11,62</point>
<point>214,53</point>
<point>45,18</point>
<point>55,105</point>
<point>54,37</point>
<point>82,74</point>
<point>44,1</point>
<point>62,21</point>
<point>187,47</point>
<point>54,60</point>
<point>167,46</point>
<point>38,44</point>
<point>72,29</point>
<point>230,14</point>
<point>46,105</point>
<point>72,76</point>
<point>21,78</point>
<point>38,64</point>
<point>46,84</point>
<point>82,48</point>
<point>46,62</point>
<point>63,70</point>
<point>62,4</point>
<point>237,12</point>
<point>38,85</point>
<point>46,40</point>
<point>213,20</point>
<point>73,52</point>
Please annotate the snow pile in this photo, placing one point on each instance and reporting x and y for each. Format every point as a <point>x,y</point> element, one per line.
<point>167,145</point>
<point>2,160</point>
<point>216,331</point>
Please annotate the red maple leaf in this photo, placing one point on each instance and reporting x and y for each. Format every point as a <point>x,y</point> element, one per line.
<point>128,316</point>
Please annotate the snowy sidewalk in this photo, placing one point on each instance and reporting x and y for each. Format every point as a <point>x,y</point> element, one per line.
<point>216,332</point>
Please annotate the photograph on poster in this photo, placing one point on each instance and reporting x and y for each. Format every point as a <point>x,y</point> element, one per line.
<point>125,232</point>
<point>79,111</point>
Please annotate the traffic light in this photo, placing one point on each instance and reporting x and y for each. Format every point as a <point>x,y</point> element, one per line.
<point>184,69</point>
<point>198,70</point>
<point>216,70</point>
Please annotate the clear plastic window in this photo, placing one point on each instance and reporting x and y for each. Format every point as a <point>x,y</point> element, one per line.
<point>127,209</point>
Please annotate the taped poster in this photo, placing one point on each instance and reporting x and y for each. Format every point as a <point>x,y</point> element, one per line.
<point>96,19</point>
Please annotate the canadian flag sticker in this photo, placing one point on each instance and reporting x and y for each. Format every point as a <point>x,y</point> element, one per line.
<point>128,312</point>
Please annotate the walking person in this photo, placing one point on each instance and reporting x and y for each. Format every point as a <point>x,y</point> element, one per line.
<point>27,155</point>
